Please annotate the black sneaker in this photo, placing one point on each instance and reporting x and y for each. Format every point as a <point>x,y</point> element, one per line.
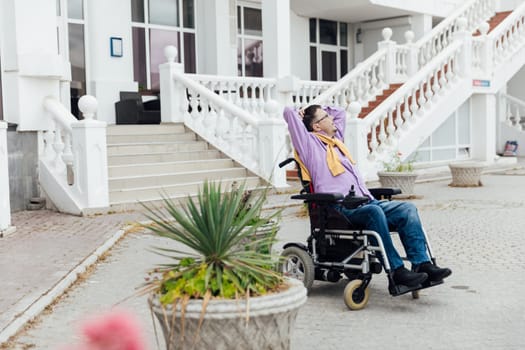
<point>435,273</point>
<point>402,276</point>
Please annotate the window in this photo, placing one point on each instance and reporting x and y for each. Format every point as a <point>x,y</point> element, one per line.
<point>451,141</point>
<point>71,14</point>
<point>249,41</point>
<point>328,49</point>
<point>155,25</point>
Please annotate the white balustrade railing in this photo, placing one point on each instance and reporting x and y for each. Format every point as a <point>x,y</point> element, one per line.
<point>256,141</point>
<point>361,84</point>
<point>73,160</point>
<point>386,123</point>
<point>509,35</point>
<point>5,207</point>
<point>251,94</point>
<point>514,113</point>
<point>307,91</point>
<point>490,49</point>
<point>474,11</point>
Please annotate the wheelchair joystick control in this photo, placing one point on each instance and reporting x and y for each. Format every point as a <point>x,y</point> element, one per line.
<point>351,193</point>
<point>352,201</point>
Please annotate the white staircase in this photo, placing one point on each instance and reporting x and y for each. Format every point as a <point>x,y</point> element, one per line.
<point>148,161</point>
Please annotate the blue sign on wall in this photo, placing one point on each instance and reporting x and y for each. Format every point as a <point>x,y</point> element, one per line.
<point>481,83</point>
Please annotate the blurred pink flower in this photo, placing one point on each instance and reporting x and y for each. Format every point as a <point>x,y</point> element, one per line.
<point>115,330</point>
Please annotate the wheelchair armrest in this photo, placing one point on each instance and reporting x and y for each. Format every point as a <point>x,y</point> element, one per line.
<point>352,202</point>
<point>387,193</point>
<point>319,197</point>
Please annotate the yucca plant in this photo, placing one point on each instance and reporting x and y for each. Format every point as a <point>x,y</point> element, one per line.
<point>225,293</point>
<point>218,228</point>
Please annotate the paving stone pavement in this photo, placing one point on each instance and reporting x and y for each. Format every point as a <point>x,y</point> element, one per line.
<point>478,232</point>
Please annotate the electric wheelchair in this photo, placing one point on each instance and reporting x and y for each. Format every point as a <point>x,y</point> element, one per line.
<point>335,249</point>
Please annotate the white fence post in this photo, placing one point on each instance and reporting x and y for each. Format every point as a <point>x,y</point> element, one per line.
<point>390,61</point>
<point>412,61</point>
<point>91,165</point>
<point>487,52</point>
<point>356,135</point>
<point>5,207</point>
<point>465,55</point>
<point>272,151</point>
<point>286,86</point>
<point>172,93</point>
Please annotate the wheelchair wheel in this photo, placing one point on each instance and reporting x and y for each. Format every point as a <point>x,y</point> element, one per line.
<point>354,298</point>
<point>298,264</point>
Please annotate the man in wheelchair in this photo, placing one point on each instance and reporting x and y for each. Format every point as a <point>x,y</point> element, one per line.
<point>317,136</point>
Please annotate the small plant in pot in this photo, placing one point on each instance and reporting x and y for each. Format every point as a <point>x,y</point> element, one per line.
<point>221,295</point>
<point>398,174</point>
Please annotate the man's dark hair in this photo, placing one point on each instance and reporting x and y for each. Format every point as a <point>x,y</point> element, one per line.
<point>309,116</point>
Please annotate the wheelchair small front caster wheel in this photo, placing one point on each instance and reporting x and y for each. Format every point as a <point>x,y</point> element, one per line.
<point>356,298</point>
<point>415,294</point>
<point>298,264</point>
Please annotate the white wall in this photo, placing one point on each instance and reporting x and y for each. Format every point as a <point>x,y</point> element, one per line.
<point>371,35</point>
<point>30,61</point>
<point>108,75</point>
<point>515,85</point>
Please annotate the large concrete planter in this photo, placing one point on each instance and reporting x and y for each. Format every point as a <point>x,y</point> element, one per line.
<point>263,322</point>
<point>466,174</point>
<point>402,180</point>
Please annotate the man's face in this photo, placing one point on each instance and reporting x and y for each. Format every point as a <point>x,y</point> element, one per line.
<point>324,122</point>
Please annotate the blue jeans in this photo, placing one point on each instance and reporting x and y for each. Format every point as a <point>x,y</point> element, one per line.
<point>402,217</point>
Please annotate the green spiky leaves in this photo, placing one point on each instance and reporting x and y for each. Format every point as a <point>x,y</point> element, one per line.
<point>224,259</point>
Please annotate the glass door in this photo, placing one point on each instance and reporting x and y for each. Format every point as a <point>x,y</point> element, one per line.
<point>328,64</point>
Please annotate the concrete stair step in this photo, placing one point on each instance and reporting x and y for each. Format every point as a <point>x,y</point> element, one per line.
<point>124,198</point>
<point>144,138</point>
<point>155,147</point>
<point>141,169</point>
<point>144,129</point>
<point>143,159</point>
<point>379,99</point>
<point>129,182</point>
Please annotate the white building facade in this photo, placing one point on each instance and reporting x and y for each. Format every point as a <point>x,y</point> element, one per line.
<point>273,52</point>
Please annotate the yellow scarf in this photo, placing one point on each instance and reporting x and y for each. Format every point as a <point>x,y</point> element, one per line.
<point>334,164</point>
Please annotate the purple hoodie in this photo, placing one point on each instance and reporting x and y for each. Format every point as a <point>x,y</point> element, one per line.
<point>312,152</point>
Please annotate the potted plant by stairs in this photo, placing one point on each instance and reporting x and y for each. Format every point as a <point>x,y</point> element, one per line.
<point>220,294</point>
<point>398,174</point>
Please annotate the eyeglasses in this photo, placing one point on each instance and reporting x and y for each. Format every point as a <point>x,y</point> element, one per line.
<point>320,120</point>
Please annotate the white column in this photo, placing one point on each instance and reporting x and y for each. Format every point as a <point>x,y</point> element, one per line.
<point>487,52</point>
<point>108,75</point>
<point>272,132</point>
<point>91,165</point>
<point>483,133</point>
<point>465,55</point>
<point>356,136</point>
<point>390,62</point>
<point>31,65</point>
<point>172,92</point>
<point>5,207</point>
<point>217,38</point>
<point>412,61</point>
<point>276,38</point>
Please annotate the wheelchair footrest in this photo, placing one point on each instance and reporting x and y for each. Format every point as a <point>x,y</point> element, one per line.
<point>428,284</point>
<point>400,289</point>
